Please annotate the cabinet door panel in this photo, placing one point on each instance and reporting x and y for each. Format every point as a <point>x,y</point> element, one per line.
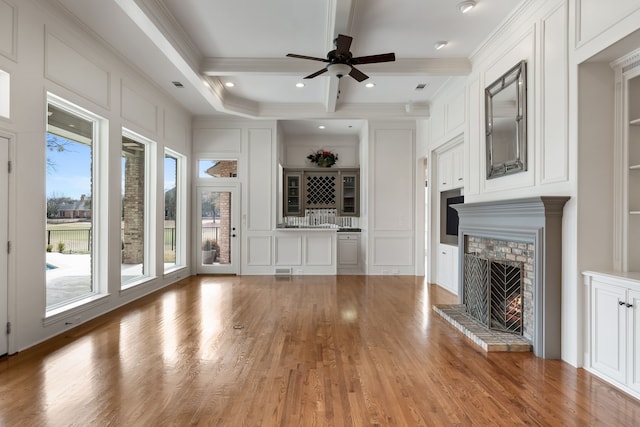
<point>293,194</point>
<point>445,267</point>
<point>348,252</point>
<point>349,194</point>
<point>445,171</point>
<point>608,328</point>
<point>633,313</point>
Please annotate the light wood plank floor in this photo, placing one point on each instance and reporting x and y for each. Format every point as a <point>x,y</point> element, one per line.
<point>309,351</point>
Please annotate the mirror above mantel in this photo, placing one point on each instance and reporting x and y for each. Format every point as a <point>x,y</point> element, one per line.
<point>506,123</point>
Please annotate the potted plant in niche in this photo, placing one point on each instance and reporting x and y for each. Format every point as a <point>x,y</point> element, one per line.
<point>208,253</point>
<point>323,158</point>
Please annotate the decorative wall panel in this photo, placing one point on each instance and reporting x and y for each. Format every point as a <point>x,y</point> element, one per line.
<point>8,30</point>
<point>393,251</point>
<point>554,122</point>
<point>137,109</point>
<point>260,188</point>
<point>217,140</point>
<point>259,250</point>
<point>288,250</point>
<point>319,249</point>
<point>69,68</point>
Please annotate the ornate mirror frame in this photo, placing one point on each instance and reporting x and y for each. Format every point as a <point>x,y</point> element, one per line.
<point>506,123</point>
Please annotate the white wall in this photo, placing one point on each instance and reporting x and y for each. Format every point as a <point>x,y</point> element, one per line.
<point>298,147</point>
<point>44,51</point>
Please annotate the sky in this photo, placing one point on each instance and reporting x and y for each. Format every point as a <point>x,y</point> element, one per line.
<point>70,173</point>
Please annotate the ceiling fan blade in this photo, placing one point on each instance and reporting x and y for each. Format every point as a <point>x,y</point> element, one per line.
<point>383,57</point>
<point>343,43</point>
<point>313,58</point>
<point>317,73</point>
<point>357,74</point>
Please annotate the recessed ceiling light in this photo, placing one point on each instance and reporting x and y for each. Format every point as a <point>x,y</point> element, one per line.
<point>299,84</point>
<point>229,84</point>
<point>321,127</point>
<point>439,45</point>
<point>466,6</point>
<point>370,85</point>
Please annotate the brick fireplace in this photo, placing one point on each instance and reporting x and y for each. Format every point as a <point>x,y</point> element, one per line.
<point>528,231</point>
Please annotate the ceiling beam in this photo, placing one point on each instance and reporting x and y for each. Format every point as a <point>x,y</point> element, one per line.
<point>340,14</point>
<point>301,67</point>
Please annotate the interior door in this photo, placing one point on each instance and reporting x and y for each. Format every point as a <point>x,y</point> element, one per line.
<point>217,236</point>
<point>4,238</point>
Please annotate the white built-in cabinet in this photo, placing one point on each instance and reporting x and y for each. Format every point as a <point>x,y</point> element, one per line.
<point>613,313</point>
<point>451,168</point>
<point>633,174</point>
<point>627,234</point>
<point>447,268</point>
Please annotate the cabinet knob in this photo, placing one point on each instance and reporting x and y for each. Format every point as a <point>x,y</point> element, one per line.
<point>629,305</point>
<point>621,303</point>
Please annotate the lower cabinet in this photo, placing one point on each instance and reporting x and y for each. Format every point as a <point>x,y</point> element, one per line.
<point>447,267</point>
<point>613,314</point>
<point>349,253</point>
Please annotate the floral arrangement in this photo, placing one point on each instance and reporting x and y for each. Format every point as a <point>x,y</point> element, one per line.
<point>323,158</point>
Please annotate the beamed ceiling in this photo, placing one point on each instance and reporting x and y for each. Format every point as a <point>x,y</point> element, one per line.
<point>205,44</point>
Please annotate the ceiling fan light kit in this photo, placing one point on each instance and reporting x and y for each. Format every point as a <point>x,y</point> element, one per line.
<point>338,70</point>
<point>466,6</point>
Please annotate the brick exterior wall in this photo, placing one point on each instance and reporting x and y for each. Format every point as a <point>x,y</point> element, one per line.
<point>511,251</point>
<point>133,209</point>
<point>224,203</point>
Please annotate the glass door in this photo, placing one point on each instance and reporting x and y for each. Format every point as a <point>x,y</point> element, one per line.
<point>217,235</point>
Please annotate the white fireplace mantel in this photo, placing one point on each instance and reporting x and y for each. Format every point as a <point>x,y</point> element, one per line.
<point>536,220</point>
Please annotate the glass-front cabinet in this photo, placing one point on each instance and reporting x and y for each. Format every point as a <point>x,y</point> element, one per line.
<point>293,193</point>
<point>349,191</point>
<point>312,189</point>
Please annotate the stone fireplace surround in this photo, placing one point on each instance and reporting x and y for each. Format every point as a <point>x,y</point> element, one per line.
<point>536,221</point>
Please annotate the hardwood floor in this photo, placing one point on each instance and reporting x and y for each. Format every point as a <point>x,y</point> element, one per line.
<point>301,351</point>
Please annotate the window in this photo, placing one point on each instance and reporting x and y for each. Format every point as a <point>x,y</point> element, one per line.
<point>72,218</point>
<point>136,260</point>
<point>217,168</point>
<point>174,211</point>
<point>5,98</point>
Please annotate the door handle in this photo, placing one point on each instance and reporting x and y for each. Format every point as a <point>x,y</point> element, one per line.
<point>233,235</point>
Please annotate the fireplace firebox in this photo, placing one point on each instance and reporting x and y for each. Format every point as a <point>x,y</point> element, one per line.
<point>493,293</point>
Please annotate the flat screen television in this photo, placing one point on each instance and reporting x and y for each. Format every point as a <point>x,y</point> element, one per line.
<point>452,215</point>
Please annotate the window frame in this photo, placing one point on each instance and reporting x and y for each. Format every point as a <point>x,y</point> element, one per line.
<point>181,210</point>
<point>149,260</point>
<point>99,207</point>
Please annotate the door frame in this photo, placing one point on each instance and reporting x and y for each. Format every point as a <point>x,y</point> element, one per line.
<point>234,266</point>
<point>7,258</point>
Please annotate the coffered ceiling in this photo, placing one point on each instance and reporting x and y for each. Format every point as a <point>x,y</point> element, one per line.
<point>201,45</point>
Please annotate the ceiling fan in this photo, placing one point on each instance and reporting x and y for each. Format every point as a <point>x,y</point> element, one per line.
<point>341,61</point>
